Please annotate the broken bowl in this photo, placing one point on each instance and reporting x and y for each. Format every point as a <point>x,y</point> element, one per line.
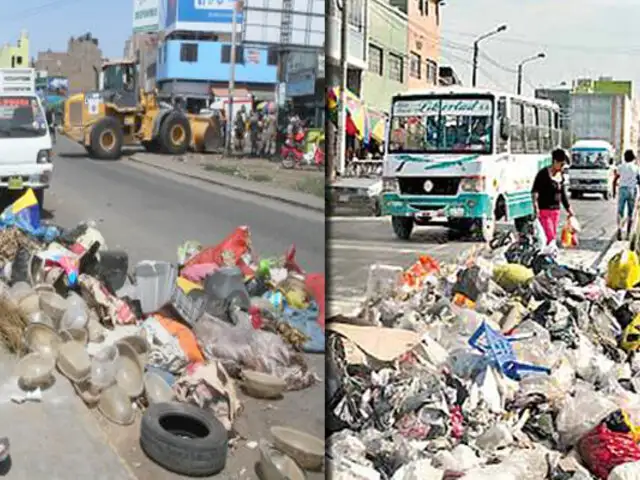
<point>305,449</point>
<point>129,370</point>
<point>43,339</point>
<point>35,371</point>
<point>79,335</point>
<point>157,389</point>
<point>115,405</point>
<point>262,385</point>
<point>74,362</point>
<point>30,304</point>
<point>275,465</point>
<point>53,305</point>
<point>140,345</point>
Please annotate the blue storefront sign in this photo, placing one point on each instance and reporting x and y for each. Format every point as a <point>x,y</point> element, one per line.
<point>301,83</point>
<point>201,15</point>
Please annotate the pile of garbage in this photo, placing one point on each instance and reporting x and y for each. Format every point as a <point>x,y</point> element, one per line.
<point>500,365</point>
<point>170,339</point>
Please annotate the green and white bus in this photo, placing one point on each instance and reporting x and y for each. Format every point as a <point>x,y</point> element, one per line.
<point>466,156</point>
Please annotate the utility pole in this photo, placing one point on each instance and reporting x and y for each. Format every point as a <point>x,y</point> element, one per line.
<point>232,76</point>
<point>342,102</point>
<point>519,91</point>
<point>475,64</point>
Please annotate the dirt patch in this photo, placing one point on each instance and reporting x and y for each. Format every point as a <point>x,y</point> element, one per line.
<point>261,170</point>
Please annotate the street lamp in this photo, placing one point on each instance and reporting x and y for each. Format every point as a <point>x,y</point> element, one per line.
<point>539,56</point>
<point>476,50</point>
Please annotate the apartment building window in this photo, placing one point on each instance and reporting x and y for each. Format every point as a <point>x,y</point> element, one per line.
<point>421,6</point>
<point>437,12</point>
<point>272,56</point>
<point>356,12</point>
<point>375,59</point>
<point>426,7</point>
<point>189,52</point>
<point>432,72</point>
<point>415,65</point>
<point>396,68</point>
<point>226,54</point>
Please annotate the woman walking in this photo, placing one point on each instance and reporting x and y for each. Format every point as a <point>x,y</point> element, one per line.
<point>627,179</point>
<point>549,194</point>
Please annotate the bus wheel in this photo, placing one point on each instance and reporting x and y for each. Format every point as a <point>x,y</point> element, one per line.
<point>606,195</point>
<point>402,227</point>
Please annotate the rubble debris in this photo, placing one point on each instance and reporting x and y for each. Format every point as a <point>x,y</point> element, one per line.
<point>506,364</point>
<point>170,339</point>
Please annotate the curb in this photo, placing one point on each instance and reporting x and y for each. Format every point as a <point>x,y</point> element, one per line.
<point>219,183</point>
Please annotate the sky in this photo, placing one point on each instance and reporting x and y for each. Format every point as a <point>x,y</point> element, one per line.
<point>580,38</point>
<point>50,23</point>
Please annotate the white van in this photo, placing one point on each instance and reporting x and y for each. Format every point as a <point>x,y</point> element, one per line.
<point>25,140</point>
<point>592,168</point>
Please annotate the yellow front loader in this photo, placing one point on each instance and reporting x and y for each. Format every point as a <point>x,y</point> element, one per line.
<point>119,114</point>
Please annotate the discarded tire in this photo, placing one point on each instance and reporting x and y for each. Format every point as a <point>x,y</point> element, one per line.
<point>184,439</point>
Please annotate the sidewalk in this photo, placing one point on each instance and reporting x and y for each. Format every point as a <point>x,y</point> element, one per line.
<point>254,176</point>
<point>56,439</point>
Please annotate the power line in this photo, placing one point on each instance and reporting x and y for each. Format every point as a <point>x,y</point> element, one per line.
<point>579,48</point>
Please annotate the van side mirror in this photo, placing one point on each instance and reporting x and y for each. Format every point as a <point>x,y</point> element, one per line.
<point>504,128</point>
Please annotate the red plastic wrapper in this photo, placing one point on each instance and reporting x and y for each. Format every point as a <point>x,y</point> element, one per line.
<point>314,283</point>
<point>238,244</point>
<point>602,450</point>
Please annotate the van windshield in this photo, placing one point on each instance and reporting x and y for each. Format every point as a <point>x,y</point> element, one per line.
<point>21,117</point>
<point>590,159</point>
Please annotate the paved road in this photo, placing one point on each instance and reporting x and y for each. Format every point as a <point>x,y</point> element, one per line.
<point>357,243</point>
<point>150,214</point>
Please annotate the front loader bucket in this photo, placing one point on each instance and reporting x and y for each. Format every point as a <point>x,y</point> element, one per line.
<point>205,134</point>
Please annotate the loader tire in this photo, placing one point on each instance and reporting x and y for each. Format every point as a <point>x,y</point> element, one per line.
<point>175,134</point>
<point>106,139</point>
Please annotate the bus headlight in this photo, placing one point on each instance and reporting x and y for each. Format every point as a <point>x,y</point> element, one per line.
<point>472,184</point>
<point>44,156</point>
<point>390,185</point>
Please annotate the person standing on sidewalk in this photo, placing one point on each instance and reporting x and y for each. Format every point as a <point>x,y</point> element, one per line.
<point>549,193</point>
<point>627,180</point>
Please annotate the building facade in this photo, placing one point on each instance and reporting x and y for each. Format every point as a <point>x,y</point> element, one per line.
<point>356,44</point>
<point>80,64</point>
<point>423,41</point>
<point>193,60</point>
<point>305,86</point>
<point>15,56</point>
<point>387,67</point>
<point>604,109</point>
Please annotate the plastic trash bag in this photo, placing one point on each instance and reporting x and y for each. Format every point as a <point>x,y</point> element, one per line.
<point>569,237</point>
<point>540,238</point>
<point>511,276</point>
<point>626,471</point>
<point>581,413</point>
<point>242,347</point>
<point>623,271</point>
<point>603,449</point>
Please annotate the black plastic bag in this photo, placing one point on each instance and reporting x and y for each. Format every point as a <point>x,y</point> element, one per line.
<point>20,266</point>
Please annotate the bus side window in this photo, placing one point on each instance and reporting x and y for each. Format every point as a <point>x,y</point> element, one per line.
<point>556,133</point>
<point>517,127</point>
<point>502,130</point>
<point>531,129</point>
<point>544,116</point>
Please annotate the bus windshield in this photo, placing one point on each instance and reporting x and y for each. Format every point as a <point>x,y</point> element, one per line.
<point>590,159</point>
<point>442,125</point>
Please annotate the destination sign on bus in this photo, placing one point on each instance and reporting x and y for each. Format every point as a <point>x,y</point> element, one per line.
<point>437,106</point>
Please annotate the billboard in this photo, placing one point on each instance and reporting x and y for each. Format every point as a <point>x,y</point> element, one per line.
<point>146,15</point>
<point>298,24</point>
<point>201,15</point>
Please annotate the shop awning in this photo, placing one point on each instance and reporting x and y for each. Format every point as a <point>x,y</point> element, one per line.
<point>224,92</point>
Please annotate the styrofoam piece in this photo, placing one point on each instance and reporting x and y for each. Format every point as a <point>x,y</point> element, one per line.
<point>155,281</point>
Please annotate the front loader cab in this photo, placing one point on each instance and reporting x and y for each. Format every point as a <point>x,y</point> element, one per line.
<point>119,83</point>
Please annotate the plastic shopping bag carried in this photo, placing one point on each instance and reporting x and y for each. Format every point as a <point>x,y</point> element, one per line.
<point>623,271</point>
<point>569,234</point>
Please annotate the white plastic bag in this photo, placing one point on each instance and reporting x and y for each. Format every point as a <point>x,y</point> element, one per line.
<point>582,412</point>
<point>540,236</point>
